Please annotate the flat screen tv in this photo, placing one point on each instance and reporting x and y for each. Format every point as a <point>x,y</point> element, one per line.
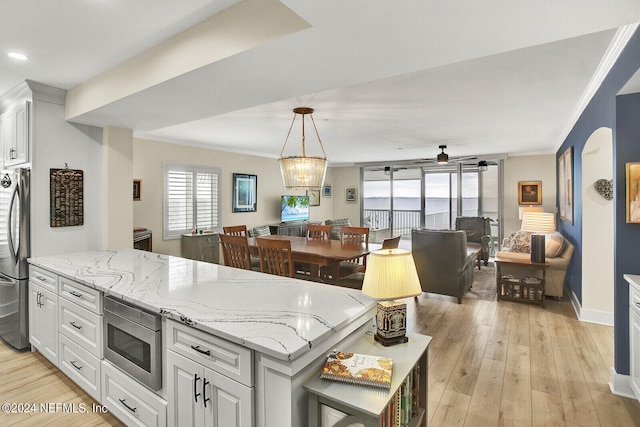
<point>294,208</point>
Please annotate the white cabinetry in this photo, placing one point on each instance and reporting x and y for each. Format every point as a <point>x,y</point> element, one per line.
<point>130,401</point>
<point>14,134</point>
<point>43,321</point>
<point>209,380</point>
<point>634,338</point>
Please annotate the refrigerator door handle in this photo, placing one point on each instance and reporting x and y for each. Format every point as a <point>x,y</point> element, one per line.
<point>6,280</point>
<point>12,249</point>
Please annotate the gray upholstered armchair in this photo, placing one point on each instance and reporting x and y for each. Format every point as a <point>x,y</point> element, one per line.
<point>478,231</point>
<point>441,258</point>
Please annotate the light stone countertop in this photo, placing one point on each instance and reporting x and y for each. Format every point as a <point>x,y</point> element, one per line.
<point>277,316</point>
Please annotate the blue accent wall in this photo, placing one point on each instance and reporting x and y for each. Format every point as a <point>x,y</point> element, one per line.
<point>622,115</point>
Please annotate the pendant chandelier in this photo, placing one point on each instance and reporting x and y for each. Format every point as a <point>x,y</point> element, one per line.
<point>303,172</point>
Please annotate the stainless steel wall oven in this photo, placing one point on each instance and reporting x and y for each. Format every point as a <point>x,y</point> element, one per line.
<point>133,341</point>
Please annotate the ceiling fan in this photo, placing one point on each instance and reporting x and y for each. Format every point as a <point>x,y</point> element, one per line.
<point>443,158</point>
<point>387,169</point>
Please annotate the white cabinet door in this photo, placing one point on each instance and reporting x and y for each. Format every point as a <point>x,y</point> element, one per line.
<point>15,135</point>
<point>228,403</point>
<point>184,387</point>
<point>199,396</point>
<point>43,321</point>
<point>634,324</point>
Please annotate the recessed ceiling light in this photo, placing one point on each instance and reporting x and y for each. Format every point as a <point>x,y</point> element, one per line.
<point>18,56</point>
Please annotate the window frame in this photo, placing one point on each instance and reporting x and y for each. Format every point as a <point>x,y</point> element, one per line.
<point>179,167</point>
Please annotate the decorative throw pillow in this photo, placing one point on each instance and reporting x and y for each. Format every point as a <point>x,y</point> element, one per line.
<point>521,241</point>
<point>336,226</point>
<point>263,230</point>
<point>554,245</point>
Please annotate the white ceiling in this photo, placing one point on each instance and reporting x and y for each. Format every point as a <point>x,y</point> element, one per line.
<point>388,80</point>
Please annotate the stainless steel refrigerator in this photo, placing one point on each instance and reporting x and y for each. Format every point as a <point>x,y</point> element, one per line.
<point>14,251</point>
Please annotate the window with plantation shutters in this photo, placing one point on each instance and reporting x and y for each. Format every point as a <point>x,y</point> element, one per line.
<point>191,199</point>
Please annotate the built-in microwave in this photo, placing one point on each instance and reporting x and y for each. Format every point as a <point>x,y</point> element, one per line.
<point>133,341</point>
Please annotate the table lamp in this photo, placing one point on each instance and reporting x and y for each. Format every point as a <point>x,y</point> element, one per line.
<point>391,274</point>
<point>538,223</point>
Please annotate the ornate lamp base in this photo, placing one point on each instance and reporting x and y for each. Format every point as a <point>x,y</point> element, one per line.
<point>391,323</point>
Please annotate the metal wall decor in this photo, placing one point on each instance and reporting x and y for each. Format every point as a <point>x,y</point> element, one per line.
<point>66,197</point>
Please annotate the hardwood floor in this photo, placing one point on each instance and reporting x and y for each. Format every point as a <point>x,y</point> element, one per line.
<point>511,364</point>
<point>490,364</point>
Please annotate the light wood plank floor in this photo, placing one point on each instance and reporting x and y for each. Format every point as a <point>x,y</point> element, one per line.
<point>490,364</point>
<point>513,364</point>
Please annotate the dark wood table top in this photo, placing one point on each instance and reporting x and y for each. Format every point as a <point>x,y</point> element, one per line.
<point>320,252</point>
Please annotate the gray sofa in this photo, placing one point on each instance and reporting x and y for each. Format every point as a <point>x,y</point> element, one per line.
<point>441,258</point>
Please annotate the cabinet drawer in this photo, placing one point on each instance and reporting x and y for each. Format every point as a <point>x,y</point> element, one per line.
<point>79,365</point>
<point>43,278</point>
<point>81,326</point>
<point>80,294</point>
<point>217,354</point>
<point>206,241</point>
<point>130,401</point>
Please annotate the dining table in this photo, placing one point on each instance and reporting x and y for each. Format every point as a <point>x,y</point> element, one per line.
<point>318,253</point>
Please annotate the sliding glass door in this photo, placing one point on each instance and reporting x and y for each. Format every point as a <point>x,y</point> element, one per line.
<point>400,198</point>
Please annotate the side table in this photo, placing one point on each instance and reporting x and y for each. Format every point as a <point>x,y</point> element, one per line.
<point>334,404</point>
<point>520,286</point>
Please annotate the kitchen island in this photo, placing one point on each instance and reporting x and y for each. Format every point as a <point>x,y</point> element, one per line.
<point>289,325</point>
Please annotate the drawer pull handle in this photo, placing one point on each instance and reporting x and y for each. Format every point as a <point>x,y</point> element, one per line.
<point>73,362</point>
<point>195,387</point>
<point>75,326</point>
<point>199,350</point>
<point>39,299</point>
<point>637,304</point>
<point>44,279</point>
<point>204,392</point>
<point>75,294</point>
<point>124,402</point>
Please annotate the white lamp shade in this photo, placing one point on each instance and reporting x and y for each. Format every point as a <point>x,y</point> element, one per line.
<point>302,172</point>
<point>539,222</point>
<point>391,274</point>
<point>523,209</point>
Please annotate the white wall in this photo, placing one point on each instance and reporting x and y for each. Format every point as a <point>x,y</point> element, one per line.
<point>343,178</point>
<point>527,168</point>
<point>57,143</point>
<point>149,157</point>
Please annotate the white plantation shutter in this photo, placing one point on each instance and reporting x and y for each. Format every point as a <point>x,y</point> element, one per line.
<point>192,199</point>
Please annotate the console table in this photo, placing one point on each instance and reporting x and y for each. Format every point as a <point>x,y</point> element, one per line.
<point>291,228</point>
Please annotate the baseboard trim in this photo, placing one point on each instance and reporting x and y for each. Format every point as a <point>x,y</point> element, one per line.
<point>590,316</point>
<point>620,385</point>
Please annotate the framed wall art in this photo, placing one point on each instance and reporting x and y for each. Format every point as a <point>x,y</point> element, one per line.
<point>351,195</point>
<point>66,197</point>
<point>245,192</point>
<point>530,192</point>
<point>326,191</point>
<point>137,189</point>
<point>314,197</point>
<point>565,185</point>
<point>632,190</point>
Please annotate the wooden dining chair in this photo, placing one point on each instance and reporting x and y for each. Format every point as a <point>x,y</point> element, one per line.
<point>318,232</point>
<point>235,230</point>
<point>349,236</point>
<point>314,232</point>
<point>355,280</point>
<point>275,257</point>
<point>235,251</point>
<point>391,242</point>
